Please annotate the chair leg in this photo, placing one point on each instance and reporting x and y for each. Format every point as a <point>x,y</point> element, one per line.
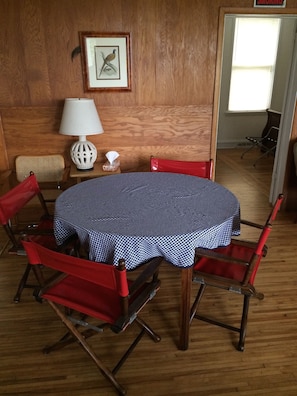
<point>243,325</point>
<point>246,151</point>
<point>197,301</point>
<point>266,154</point>
<point>82,341</point>
<point>128,352</point>
<point>145,329</point>
<point>4,247</point>
<point>149,331</point>
<point>68,338</point>
<point>23,284</point>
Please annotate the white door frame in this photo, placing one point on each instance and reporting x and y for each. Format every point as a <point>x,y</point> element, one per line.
<point>285,131</point>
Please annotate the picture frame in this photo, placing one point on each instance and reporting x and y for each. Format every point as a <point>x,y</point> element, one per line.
<point>106,61</point>
<point>270,3</point>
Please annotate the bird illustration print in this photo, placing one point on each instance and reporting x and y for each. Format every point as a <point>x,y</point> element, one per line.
<point>107,65</point>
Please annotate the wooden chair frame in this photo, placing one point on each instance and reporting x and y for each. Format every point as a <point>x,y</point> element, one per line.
<point>267,143</point>
<point>10,204</point>
<point>102,288</point>
<point>248,256</point>
<point>50,171</point>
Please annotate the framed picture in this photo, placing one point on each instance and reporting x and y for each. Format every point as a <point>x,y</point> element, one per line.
<point>106,61</point>
<point>270,3</point>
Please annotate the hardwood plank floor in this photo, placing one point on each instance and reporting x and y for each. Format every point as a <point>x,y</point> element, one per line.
<point>211,366</point>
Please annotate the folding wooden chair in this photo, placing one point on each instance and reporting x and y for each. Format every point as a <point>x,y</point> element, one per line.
<point>267,143</point>
<point>195,168</point>
<point>85,291</point>
<point>50,171</point>
<point>11,204</point>
<point>232,268</point>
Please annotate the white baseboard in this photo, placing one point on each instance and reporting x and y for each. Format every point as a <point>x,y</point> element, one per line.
<point>227,144</point>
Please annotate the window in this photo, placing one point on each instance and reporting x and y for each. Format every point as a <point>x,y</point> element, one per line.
<point>253,63</point>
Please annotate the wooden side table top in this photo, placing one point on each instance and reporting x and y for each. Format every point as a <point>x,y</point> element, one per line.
<point>96,172</point>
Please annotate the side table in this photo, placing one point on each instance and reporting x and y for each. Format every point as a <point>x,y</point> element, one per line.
<point>96,172</point>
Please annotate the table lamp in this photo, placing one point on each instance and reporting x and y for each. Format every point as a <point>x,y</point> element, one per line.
<point>80,118</point>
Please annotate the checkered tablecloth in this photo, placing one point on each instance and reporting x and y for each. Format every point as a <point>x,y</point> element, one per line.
<point>137,216</point>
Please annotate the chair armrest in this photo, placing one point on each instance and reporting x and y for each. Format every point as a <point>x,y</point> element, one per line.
<point>249,244</point>
<point>140,292</point>
<point>31,230</point>
<point>243,242</point>
<point>251,224</point>
<point>211,254</point>
<point>70,246</point>
<point>152,267</point>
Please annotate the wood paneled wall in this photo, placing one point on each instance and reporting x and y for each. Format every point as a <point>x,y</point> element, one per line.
<point>135,132</point>
<point>169,109</point>
<point>173,46</point>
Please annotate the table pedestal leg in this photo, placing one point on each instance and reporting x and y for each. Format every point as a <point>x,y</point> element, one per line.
<point>185,307</point>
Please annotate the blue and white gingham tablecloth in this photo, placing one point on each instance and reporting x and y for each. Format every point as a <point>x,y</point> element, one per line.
<point>137,216</point>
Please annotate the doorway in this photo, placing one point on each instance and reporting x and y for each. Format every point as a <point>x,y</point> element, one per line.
<point>224,52</point>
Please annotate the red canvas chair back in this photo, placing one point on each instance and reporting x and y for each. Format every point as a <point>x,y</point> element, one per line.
<point>194,168</point>
<point>110,280</point>
<point>260,252</point>
<point>15,199</point>
<point>100,274</point>
<point>11,204</point>
<point>275,209</point>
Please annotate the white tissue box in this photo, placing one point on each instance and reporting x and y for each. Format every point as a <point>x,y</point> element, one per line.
<point>111,167</point>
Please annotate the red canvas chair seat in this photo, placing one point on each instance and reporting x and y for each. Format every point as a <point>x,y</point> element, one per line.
<point>84,291</point>
<point>91,298</point>
<point>229,270</point>
<point>194,168</point>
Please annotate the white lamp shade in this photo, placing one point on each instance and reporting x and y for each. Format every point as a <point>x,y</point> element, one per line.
<point>80,118</point>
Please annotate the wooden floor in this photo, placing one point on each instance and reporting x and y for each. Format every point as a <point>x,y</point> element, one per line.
<point>211,366</point>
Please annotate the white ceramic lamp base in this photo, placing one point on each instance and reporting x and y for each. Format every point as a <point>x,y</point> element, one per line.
<point>83,154</point>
